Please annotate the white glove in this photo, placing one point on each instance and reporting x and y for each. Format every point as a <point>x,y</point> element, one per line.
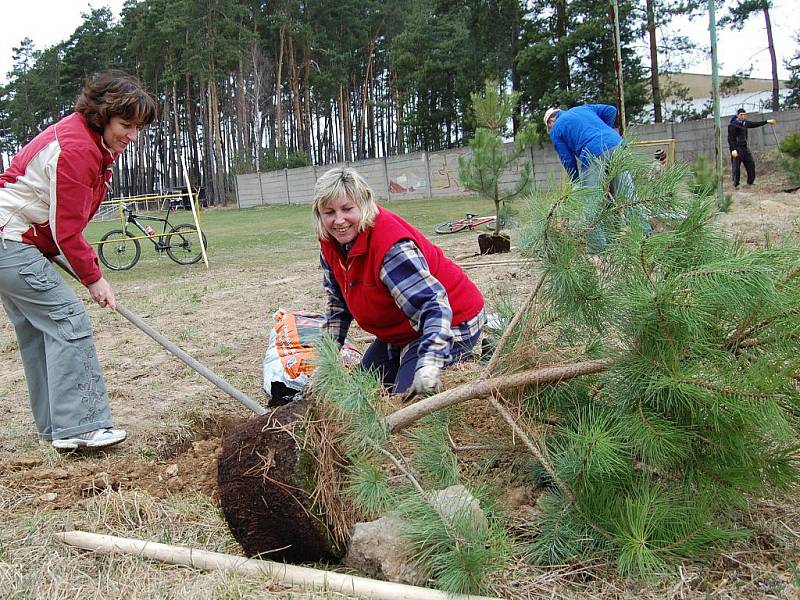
<point>427,379</point>
<point>771,121</point>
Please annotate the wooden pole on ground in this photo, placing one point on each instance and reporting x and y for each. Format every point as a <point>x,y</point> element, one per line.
<point>350,585</point>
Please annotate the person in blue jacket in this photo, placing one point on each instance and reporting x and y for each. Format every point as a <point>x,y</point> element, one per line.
<point>584,138</point>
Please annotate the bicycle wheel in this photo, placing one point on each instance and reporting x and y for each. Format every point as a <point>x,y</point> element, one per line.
<point>450,226</point>
<point>119,252</point>
<point>183,245</point>
<point>490,224</point>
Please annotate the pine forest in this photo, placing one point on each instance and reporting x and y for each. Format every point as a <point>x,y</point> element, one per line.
<point>246,85</point>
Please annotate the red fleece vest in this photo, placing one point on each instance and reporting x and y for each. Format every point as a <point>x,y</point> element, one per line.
<point>367,298</point>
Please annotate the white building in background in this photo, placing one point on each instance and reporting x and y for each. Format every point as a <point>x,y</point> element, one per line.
<point>754,94</point>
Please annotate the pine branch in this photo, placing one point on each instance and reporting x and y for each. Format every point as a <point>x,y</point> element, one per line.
<point>509,330</point>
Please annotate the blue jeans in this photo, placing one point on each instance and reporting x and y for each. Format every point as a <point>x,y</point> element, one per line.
<point>622,189</point>
<point>396,365</point>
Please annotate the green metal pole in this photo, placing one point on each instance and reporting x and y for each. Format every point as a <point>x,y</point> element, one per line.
<point>618,64</point>
<point>712,29</point>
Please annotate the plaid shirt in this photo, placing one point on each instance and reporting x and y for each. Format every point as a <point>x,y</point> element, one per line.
<point>418,294</point>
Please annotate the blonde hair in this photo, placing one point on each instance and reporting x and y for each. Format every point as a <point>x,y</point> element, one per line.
<point>338,182</point>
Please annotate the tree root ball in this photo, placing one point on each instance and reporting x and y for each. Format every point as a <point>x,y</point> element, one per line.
<point>265,486</point>
<point>494,244</point>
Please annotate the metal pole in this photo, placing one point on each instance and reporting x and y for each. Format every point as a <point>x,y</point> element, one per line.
<point>194,208</point>
<point>712,29</point>
<point>614,15</point>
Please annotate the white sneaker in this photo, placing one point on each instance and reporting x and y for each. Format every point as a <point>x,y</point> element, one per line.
<point>98,438</point>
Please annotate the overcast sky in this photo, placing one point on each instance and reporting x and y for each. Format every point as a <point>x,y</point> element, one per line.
<point>48,22</point>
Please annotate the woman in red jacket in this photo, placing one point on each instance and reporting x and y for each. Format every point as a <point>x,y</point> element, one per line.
<point>51,190</point>
<point>379,270</point>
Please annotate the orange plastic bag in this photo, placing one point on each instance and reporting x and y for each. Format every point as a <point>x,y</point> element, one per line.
<point>290,356</point>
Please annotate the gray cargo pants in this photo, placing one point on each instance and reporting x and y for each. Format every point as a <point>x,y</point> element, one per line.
<point>66,387</point>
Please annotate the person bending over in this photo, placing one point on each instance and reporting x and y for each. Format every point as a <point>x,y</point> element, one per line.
<point>50,191</point>
<point>378,269</point>
<point>584,138</point>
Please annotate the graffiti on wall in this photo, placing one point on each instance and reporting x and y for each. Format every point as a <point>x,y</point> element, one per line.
<point>406,183</point>
<point>445,176</point>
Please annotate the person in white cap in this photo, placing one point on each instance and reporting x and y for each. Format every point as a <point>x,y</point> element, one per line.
<point>584,138</point>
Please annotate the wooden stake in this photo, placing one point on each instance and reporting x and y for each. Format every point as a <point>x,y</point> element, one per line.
<point>350,585</point>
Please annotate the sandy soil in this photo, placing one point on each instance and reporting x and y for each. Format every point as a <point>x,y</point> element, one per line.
<point>174,417</point>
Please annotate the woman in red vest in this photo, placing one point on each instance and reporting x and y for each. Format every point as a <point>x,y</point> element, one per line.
<point>378,269</point>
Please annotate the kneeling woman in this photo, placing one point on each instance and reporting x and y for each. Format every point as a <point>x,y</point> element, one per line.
<point>379,270</point>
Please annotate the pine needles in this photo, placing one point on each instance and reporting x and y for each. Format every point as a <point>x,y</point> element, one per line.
<point>646,463</point>
<point>698,414</point>
<point>459,542</point>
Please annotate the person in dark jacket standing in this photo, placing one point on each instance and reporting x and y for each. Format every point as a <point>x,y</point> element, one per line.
<point>48,195</point>
<point>737,142</point>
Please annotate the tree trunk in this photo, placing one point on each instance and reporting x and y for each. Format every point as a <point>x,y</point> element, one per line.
<point>400,146</point>
<point>344,124</point>
<point>411,413</point>
<point>177,141</point>
<point>307,118</point>
<point>278,94</point>
<point>216,147</point>
<point>294,82</point>
<point>773,61</point>
<point>516,79</point>
<point>243,146</point>
<point>654,82</point>
<point>561,33</point>
<point>362,121</point>
<point>192,143</point>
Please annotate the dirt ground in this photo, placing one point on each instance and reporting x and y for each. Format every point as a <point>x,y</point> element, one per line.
<point>174,417</point>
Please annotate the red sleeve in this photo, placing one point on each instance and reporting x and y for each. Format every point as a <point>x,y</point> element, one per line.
<point>72,206</point>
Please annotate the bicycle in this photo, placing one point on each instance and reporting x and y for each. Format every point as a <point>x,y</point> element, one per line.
<point>470,222</point>
<point>119,249</point>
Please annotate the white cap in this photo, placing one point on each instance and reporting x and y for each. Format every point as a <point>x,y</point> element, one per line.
<point>549,113</point>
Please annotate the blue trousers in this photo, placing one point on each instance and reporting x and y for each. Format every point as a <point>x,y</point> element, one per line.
<point>622,189</point>
<point>396,365</point>
<point>54,331</point>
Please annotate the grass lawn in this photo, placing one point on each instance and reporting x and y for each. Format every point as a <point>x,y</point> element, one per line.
<point>274,234</point>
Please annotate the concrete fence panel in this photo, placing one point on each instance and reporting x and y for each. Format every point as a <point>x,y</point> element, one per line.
<point>407,177</point>
<point>301,185</point>
<point>374,171</point>
<point>435,174</point>
<point>443,171</point>
<point>248,190</point>
<point>273,187</point>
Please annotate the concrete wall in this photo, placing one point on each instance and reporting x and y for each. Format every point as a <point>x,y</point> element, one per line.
<point>435,175</point>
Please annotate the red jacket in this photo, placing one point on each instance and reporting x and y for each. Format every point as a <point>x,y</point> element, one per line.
<point>52,190</point>
<point>367,298</point>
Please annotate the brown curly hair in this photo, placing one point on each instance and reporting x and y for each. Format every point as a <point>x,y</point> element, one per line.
<point>115,94</point>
